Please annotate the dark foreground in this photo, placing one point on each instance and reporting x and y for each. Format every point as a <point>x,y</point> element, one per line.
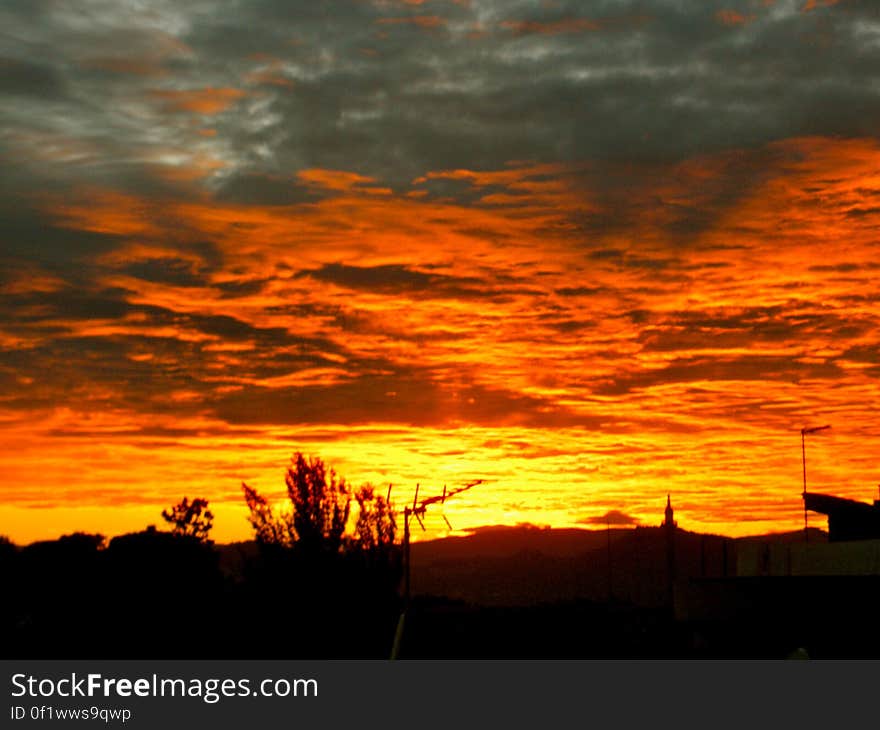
<point>151,595</point>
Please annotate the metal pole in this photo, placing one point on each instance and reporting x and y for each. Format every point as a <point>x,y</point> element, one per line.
<point>417,510</point>
<point>804,457</point>
<point>608,534</point>
<point>398,634</point>
<point>804,462</point>
<point>804,432</point>
<point>406,558</point>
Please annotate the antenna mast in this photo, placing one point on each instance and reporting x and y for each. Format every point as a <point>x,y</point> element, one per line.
<point>804,432</point>
<point>418,510</point>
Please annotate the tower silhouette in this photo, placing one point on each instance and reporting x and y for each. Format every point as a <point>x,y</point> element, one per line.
<point>668,516</point>
<point>669,525</point>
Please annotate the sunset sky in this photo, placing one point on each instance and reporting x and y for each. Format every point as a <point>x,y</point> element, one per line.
<point>590,252</point>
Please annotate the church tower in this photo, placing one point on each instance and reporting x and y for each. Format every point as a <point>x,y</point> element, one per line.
<point>668,516</point>
<point>669,526</point>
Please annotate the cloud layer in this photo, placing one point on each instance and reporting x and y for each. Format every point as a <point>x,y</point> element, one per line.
<point>592,253</point>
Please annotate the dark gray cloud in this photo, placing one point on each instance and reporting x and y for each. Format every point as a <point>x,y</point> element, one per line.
<point>28,236</point>
<point>23,78</point>
<point>745,368</point>
<point>748,327</point>
<point>392,90</point>
<point>406,396</point>
<point>169,270</point>
<point>255,189</point>
<point>398,279</point>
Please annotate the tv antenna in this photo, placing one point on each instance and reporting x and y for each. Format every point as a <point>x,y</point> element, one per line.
<point>418,510</point>
<point>804,433</point>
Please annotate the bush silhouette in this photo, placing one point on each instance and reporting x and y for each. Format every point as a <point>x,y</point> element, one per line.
<point>190,519</point>
<point>313,570</point>
<point>166,587</point>
<point>320,505</point>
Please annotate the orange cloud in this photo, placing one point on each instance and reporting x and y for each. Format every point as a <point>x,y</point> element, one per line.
<point>342,181</point>
<point>732,17</point>
<point>206,101</point>
<point>268,77</point>
<point>422,21</point>
<point>813,4</point>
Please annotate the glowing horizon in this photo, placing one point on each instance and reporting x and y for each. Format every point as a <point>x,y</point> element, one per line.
<point>568,253</point>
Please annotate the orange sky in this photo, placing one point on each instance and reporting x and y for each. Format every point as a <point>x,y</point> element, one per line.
<point>197,283</point>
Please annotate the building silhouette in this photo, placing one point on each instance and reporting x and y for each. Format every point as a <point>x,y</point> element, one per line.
<point>847,518</point>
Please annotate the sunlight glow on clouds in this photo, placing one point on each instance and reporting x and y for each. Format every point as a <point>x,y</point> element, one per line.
<point>590,272</point>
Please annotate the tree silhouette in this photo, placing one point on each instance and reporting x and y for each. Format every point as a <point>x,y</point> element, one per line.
<point>269,529</point>
<point>316,568</point>
<point>7,547</point>
<point>374,549</point>
<point>376,528</point>
<point>167,587</point>
<point>190,519</point>
<point>320,506</point>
